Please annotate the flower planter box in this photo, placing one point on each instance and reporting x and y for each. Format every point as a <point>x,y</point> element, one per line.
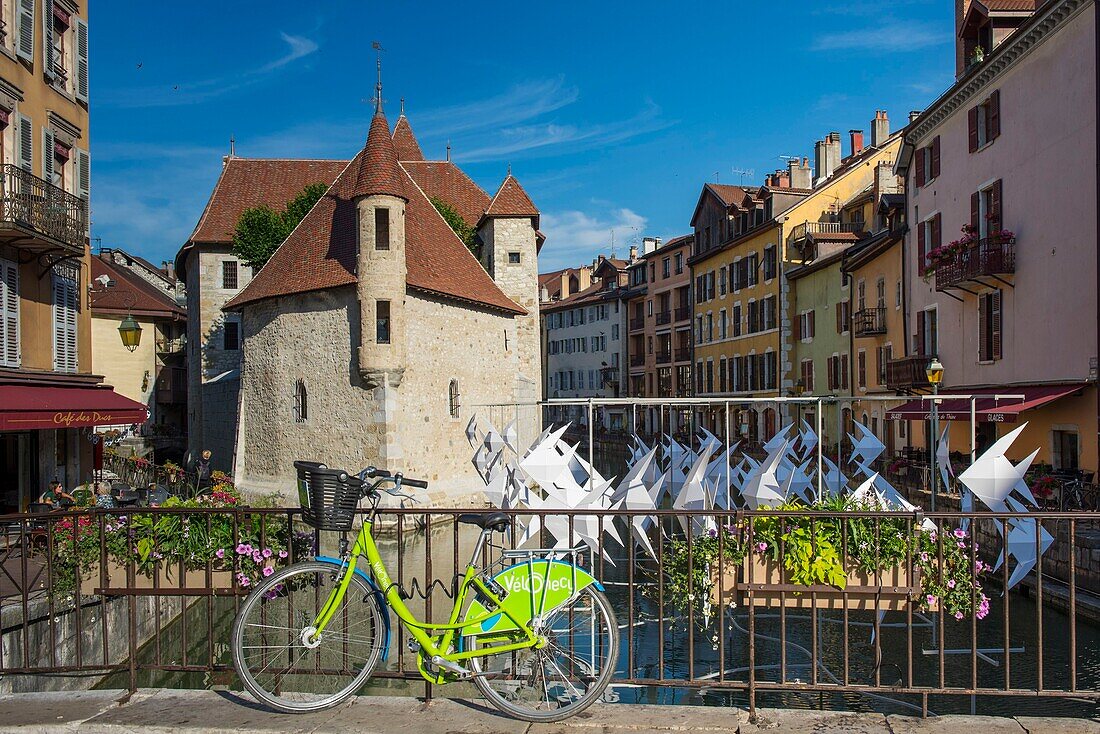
<point>167,580</point>
<point>890,590</point>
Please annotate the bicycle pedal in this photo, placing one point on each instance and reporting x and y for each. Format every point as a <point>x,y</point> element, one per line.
<point>451,667</point>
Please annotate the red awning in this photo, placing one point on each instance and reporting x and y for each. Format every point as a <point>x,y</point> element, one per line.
<point>987,409</point>
<point>38,407</point>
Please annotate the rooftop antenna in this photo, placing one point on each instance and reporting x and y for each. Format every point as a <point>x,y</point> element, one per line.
<point>788,158</point>
<point>612,243</point>
<point>232,146</point>
<point>448,151</point>
<point>716,177</point>
<point>377,46</point>
<point>742,172</point>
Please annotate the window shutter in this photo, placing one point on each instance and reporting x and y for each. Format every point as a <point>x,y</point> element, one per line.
<point>9,313</point>
<point>844,371</point>
<point>24,47</point>
<point>918,343</point>
<point>83,174</point>
<point>994,114</point>
<point>920,167</point>
<point>838,312</point>
<point>975,209</point>
<point>47,39</point>
<point>972,122</point>
<point>47,154</point>
<point>922,250</point>
<point>813,323</point>
<point>64,324</point>
<point>983,327</point>
<point>829,373</point>
<point>996,221</point>
<point>798,328</point>
<point>81,86</point>
<point>936,157</point>
<point>26,144</point>
<point>995,324</point>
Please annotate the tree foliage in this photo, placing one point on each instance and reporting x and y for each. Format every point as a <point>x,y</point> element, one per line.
<point>465,232</point>
<point>260,229</point>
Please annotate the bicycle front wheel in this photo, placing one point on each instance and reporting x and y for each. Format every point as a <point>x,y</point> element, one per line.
<point>566,675</point>
<point>277,653</point>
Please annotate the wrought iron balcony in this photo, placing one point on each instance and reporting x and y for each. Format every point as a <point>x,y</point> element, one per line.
<point>637,360</point>
<point>664,357</point>
<point>869,321</point>
<point>986,258</point>
<point>683,354</point>
<point>908,373</point>
<point>637,324</point>
<point>664,317</point>
<point>38,216</point>
<point>683,313</point>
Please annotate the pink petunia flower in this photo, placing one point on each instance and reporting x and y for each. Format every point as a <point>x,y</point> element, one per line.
<point>268,570</point>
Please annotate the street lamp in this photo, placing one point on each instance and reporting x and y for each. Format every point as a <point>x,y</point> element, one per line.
<point>934,373</point>
<point>130,331</point>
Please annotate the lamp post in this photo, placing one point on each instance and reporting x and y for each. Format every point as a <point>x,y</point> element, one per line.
<point>934,373</point>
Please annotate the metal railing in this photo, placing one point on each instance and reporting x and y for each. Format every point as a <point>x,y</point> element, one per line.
<point>40,208</point>
<point>987,257</point>
<point>637,360</point>
<point>682,313</point>
<point>801,231</point>
<point>908,373</point>
<point>664,357</point>
<point>869,321</point>
<point>664,317</point>
<point>683,354</point>
<point>636,324</point>
<point>172,346</point>
<point>145,617</point>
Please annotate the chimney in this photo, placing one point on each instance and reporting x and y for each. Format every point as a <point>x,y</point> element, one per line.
<point>880,128</point>
<point>856,138</point>
<point>914,114</point>
<point>633,253</point>
<point>544,294</point>
<point>169,269</point>
<point>832,152</point>
<point>819,161</point>
<point>799,174</point>
<point>649,244</point>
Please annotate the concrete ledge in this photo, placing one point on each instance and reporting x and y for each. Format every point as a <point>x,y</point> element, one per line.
<point>215,712</point>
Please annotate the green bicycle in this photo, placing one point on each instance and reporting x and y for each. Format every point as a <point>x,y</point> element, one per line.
<point>533,631</point>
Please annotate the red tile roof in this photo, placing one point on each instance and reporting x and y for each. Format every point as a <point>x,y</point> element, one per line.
<point>249,182</point>
<point>405,142</point>
<point>728,193</point>
<point>131,294</point>
<point>321,252</point>
<point>446,181</point>
<point>1010,5</point>
<point>511,200</point>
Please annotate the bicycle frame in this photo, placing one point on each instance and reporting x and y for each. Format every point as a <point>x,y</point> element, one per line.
<point>439,645</point>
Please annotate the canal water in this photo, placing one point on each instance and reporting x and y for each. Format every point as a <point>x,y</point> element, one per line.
<point>695,647</point>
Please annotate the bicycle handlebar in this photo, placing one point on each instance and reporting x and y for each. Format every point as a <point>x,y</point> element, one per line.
<point>399,479</point>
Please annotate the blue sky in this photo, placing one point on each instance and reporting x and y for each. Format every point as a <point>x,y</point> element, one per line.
<point>612,116</point>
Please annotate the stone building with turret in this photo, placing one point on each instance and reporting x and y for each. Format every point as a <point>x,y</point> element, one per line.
<point>374,334</point>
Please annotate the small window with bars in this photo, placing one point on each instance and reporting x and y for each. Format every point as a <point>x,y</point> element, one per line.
<point>301,402</point>
<point>229,274</point>
<point>231,336</point>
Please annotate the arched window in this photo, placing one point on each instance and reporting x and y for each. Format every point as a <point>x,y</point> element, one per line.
<point>452,398</point>
<point>301,402</point>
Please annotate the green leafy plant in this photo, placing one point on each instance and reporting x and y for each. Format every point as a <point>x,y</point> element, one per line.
<point>465,232</point>
<point>260,229</point>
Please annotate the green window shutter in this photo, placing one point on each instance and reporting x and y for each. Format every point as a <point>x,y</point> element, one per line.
<point>83,173</point>
<point>81,86</point>
<point>47,154</point>
<point>24,45</point>
<point>47,39</point>
<point>9,313</point>
<point>26,144</point>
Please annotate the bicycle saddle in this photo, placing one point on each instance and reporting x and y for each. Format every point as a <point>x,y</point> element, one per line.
<point>498,521</point>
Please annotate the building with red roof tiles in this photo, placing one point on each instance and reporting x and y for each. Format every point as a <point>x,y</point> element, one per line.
<point>374,334</point>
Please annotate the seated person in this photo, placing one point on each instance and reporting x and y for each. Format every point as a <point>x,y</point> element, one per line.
<point>103,498</point>
<point>56,496</point>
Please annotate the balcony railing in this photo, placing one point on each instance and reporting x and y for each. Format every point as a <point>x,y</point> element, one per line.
<point>40,215</point>
<point>683,354</point>
<point>664,357</point>
<point>683,313</point>
<point>664,317</point>
<point>637,324</point>
<point>869,321</point>
<point>808,229</point>
<point>908,373</point>
<point>637,360</point>
<point>171,346</point>
<point>986,258</point>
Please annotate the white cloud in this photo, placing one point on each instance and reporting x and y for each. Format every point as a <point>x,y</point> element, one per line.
<point>574,237</point>
<point>890,36</point>
<point>521,102</point>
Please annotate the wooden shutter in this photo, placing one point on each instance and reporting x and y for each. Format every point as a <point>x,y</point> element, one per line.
<point>24,46</point>
<point>839,330</point>
<point>935,157</point>
<point>47,39</point>
<point>26,144</point>
<point>861,361</point>
<point>995,324</point>
<point>937,230</point>
<point>813,323</point>
<point>798,327</point>
<point>972,123</point>
<point>64,323</point>
<point>83,174</point>
<point>993,115</point>
<point>9,313</point>
<point>844,371</point>
<point>975,211</point>
<point>47,154</point>
<point>81,86</point>
<point>918,342</point>
<point>920,167</point>
<point>922,251</point>
<point>983,328</point>
<point>830,371</point>
<point>996,220</point>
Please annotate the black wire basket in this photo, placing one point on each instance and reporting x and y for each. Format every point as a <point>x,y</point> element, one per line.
<point>329,497</point>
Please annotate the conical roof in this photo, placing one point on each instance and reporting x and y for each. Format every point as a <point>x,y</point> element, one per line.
<point>408,149</point>
<point>511,200</point>
<point>377,163</point>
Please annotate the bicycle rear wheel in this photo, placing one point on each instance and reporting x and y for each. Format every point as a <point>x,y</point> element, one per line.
<point>564,677</point>
<point>279,658</point>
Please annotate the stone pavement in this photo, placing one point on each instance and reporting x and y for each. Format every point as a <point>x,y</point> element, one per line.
<point>215,712</point>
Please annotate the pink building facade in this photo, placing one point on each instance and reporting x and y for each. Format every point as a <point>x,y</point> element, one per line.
<point>1010,304</point>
